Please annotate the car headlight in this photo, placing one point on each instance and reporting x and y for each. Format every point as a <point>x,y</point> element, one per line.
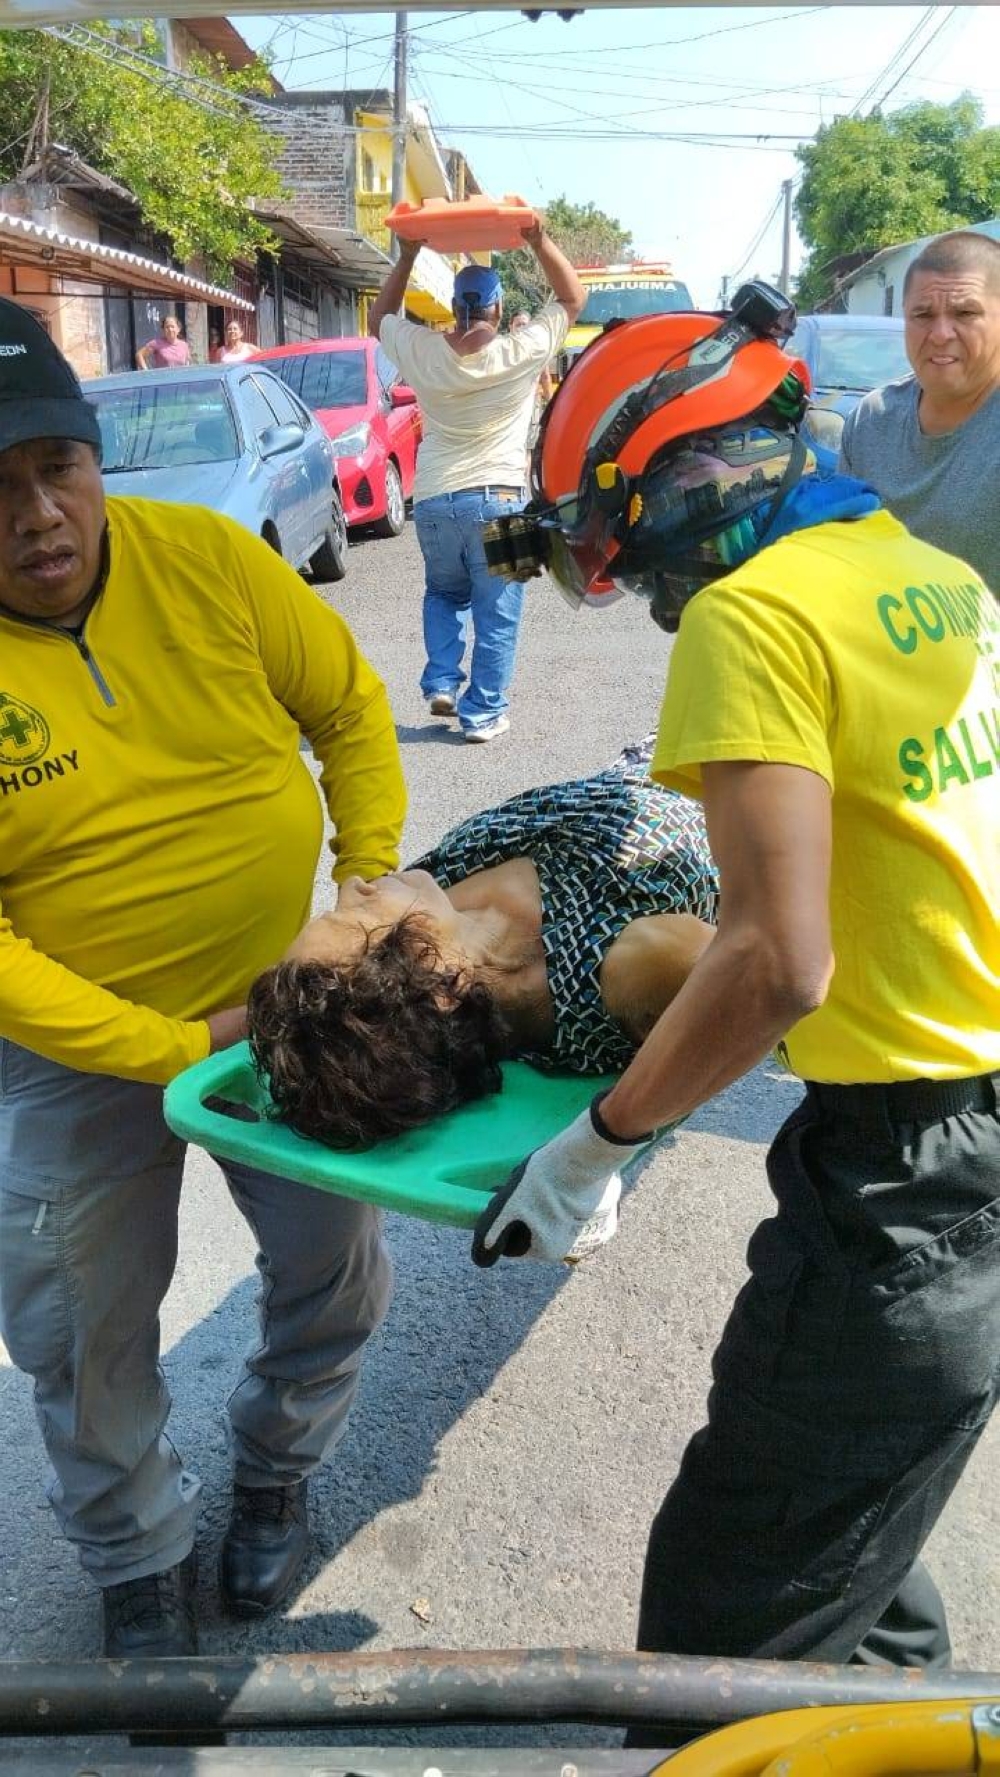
<point>353,442</point>
<point>825,425</point>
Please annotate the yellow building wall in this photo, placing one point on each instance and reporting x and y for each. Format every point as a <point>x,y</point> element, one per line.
<point>373,201</point>
<point>373,197</point>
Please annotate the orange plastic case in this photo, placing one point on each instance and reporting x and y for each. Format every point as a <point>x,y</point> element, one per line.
<point>470,225</point>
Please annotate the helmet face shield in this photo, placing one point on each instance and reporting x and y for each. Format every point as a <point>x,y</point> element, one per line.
<point>577,565</point>
<point>704,486</point>
<point>527,543</point>
<point>705,504</point>
<point>689,518</point>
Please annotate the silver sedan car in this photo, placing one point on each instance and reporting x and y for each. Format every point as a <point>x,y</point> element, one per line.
<point>232,437</point>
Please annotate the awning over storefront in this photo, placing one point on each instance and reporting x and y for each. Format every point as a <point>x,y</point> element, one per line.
<point>345,256</point>
<point>352,260</point>
<point>27,243</point>
<point>428,294</point>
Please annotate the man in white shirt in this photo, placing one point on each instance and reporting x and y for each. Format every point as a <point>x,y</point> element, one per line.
<point>476,389</point>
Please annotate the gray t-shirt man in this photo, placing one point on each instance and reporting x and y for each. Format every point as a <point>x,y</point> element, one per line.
<point>944,488</point>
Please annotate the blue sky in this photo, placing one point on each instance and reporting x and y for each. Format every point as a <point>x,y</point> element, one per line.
<point>578,108</point>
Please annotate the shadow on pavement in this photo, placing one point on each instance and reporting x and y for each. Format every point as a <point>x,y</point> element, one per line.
<point>436,729</point>
<point>450,1330</point>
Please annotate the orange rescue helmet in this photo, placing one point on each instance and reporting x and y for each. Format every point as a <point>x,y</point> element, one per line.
<point>667,436</point>
<point>623,362</point>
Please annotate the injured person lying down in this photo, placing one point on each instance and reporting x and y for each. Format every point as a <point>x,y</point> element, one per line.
<point>555,928</point>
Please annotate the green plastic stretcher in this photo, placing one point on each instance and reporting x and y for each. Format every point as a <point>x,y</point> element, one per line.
<point>444,1172</point>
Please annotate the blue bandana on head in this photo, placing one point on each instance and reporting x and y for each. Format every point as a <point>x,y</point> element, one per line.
<point>477,287</point>
<point>818,500</point>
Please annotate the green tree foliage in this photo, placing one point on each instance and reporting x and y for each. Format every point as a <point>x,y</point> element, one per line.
<point>587,236</point>
<point>191,168</point>
<point>871,181</point>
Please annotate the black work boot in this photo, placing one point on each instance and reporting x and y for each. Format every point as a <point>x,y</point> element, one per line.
<point>152,1618</point>
<point>264,1548</point>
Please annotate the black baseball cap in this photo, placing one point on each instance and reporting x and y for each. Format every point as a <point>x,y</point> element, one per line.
<point>40,393</point>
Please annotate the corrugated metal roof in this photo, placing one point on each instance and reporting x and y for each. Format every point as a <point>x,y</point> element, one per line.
<point>92,260</point>
<point>348,258</point>
<point>59,165</point>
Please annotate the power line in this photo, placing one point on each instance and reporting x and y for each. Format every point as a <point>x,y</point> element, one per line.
<point>621,123</point>
<point>730,102</point>
<point>532,56</point>
<point>23,137</point>
<point>570,133</point>
<point>923,20</point>
<point>383,71</point>
<point>205,93</point>
<point>825,88</point>
<point>502,89</point>
<point>675,42</point>
<point>431,25</point>
<point>949,15</point>
<point>757,239</point>
<point>352,43</point>
<point>580,112</point>
<point>196,89</point>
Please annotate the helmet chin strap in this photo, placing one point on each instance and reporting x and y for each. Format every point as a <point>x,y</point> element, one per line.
<point>794,470</point>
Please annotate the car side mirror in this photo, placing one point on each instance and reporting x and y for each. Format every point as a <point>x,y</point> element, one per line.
<point>274,441</point>
<point>401,395</point>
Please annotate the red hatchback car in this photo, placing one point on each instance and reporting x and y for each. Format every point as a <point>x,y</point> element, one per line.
<point>370,415</point>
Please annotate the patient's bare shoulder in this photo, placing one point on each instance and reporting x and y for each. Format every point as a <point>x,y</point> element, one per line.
<point>648,964</point>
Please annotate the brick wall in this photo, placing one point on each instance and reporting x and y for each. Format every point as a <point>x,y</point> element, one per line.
<point>315,157</point>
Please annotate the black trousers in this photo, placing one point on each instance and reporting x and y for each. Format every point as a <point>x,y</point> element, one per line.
<point>857,1370</point>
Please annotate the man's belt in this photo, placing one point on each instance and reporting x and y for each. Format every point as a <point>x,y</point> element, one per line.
<point>906,1101</point>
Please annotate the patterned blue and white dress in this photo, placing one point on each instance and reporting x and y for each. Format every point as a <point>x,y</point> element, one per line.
<point>608,849</point>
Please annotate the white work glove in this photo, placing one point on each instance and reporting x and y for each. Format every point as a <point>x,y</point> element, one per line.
<point>562,1201</point>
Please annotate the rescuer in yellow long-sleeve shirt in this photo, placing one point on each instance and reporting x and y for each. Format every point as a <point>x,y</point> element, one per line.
<point>159,836</point>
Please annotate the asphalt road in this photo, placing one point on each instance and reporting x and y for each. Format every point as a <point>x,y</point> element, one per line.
<point>515,1429</point>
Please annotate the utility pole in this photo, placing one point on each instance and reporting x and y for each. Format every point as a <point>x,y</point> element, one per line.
<point>399,121</point>
<point>786,236</point>
<point>724,291</point>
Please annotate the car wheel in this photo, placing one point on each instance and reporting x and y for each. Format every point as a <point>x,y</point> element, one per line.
<point>330,560</point>
<point>395,505</point>
<point>270,536</point>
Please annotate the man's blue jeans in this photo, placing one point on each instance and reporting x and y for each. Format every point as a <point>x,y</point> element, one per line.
<point>458,586</point>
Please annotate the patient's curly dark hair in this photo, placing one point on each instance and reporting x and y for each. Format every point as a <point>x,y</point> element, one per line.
<point>357,1051</point>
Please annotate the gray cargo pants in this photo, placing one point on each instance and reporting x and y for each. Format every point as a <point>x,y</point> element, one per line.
<point>90,1181</point>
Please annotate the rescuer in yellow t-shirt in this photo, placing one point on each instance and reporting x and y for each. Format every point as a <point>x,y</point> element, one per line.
<point>833,699</point>
<point>159,836</point>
